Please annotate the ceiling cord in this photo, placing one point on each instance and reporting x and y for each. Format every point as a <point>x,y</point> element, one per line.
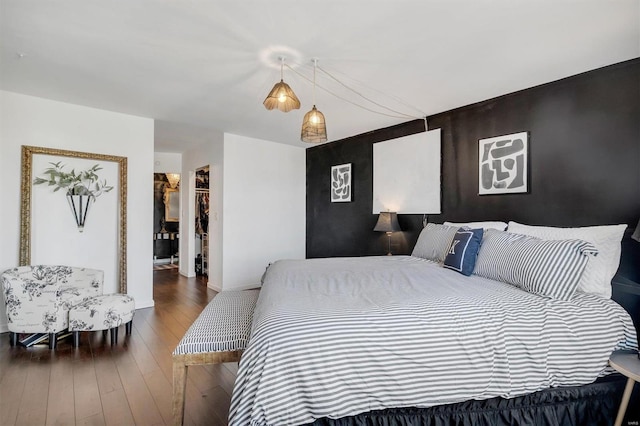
<point>401,116</point>
<point>363,96</point>
<point>395,98</point>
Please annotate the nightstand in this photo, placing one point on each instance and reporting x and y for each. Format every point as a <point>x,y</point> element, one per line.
<point>629,365</point>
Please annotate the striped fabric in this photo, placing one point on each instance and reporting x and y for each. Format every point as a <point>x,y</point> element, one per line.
<point>549,268</point>
<point>223,325</point>
<point>434,241</point>
<point>338,337</point>
<point>600,270</point>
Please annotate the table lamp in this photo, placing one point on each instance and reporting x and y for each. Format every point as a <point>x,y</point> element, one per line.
<point>388,222</point>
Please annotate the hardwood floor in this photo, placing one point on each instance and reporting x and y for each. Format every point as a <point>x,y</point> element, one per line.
<point>130,383</point>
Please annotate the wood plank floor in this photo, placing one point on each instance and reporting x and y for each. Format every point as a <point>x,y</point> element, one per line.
<point>127,384</point>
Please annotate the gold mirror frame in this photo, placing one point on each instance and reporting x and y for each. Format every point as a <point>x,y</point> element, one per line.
<point>171,196</point>
<point>25,202</point>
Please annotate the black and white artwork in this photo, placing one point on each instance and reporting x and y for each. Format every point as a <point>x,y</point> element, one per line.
<point>341,183</point>
<point>503,164</point>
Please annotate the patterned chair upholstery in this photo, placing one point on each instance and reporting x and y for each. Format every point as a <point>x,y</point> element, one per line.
<point>38,297</point>
<point>105,312</point>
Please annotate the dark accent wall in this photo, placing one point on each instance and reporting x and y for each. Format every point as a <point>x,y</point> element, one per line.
<point>346,229</point>
<point>584,161</point>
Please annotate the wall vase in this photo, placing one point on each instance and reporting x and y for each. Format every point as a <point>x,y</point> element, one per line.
<point>79,205</point>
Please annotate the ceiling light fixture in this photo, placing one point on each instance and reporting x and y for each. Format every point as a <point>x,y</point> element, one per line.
<point>281,96</point>
<point>314,128</point>
<point>174,179</point>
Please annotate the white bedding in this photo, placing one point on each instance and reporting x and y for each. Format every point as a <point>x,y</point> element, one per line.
<point>337,337</point>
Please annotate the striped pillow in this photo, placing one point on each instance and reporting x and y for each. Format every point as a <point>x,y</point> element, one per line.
<point>549,268</point>
<point>434,241</point>
<point>600,270</point>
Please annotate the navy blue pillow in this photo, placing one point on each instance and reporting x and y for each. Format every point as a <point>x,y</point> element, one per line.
<point>463,250</point>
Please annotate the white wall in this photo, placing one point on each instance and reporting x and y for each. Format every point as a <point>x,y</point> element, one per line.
<point>27,120</point>
<point>167,162</point>
<point>263,207</point>
<point>209,153</point>
<point>257,207</point>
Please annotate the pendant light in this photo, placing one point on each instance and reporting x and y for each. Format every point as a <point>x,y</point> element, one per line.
<point>281,96</point>
<point>314,128</point>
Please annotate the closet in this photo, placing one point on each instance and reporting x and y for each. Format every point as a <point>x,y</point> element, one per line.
<point>202,221</point>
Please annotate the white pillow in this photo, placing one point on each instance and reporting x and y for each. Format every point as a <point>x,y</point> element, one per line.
<point>434,242</point>
<point>500,226</point>
<point>600,270</point>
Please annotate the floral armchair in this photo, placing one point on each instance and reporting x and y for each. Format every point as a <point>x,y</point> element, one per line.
<point>38,297</point>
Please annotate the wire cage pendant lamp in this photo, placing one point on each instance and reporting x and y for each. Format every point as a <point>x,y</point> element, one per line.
<point>281,97</point>
<point>314,128</point>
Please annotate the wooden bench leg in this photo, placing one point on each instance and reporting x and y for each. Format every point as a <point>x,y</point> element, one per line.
<point>179,388</point>
<point>625,401</point>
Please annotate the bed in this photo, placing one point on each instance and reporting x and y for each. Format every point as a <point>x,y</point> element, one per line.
<point>336,338</point>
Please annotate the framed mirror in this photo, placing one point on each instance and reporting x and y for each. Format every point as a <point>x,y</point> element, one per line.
<point>171,204</point>
<point>73,212</point>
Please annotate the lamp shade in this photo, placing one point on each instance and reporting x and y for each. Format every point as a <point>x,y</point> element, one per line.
<point>314,128</point>
<point>282,97</point>
<point>387,222</point>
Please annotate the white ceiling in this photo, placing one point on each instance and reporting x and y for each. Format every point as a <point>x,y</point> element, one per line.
<point>209,64</point>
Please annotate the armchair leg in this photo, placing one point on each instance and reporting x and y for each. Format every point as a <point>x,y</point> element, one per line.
<point>128,327</point>
<point>114,336</point>
<point>76,339</point>
<point>13,338</point>
<point>53,340</point>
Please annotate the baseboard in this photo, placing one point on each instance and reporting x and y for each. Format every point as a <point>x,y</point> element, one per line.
<point>214,287</point>
<point>145,304</point>
<point>217,288</point>
<point>186,274</point>
<point>247,287</point>
<point>4,328</point>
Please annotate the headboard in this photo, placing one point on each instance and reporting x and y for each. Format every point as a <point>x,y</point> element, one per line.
<point>626,283</point>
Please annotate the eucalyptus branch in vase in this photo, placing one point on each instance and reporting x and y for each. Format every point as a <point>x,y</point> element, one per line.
<point>81,189</point>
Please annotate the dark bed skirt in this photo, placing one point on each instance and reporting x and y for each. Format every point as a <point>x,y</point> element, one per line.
<point>593,404</point>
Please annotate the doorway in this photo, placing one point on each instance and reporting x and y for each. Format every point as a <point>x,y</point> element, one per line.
<point>166,220</point>
<point>202,221</point>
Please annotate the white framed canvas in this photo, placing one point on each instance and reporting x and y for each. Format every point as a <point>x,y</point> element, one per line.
<point>406,174</point>
<point>341,183</point>
<point>503,164</point>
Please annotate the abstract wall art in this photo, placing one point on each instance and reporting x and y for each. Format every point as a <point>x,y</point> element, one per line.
<point>503,164</point>
<point>341,183</point>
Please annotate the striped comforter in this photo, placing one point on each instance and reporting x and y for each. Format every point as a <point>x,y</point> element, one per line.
<point>337,337</point>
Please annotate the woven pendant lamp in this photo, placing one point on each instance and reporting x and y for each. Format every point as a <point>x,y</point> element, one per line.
<point>314,128</point>
<point>281,96</point>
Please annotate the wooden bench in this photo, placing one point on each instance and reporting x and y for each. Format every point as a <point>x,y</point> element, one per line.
<point>219,334</point>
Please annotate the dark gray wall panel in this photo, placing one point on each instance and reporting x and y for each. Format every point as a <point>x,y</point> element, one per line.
<point>584,162</point>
